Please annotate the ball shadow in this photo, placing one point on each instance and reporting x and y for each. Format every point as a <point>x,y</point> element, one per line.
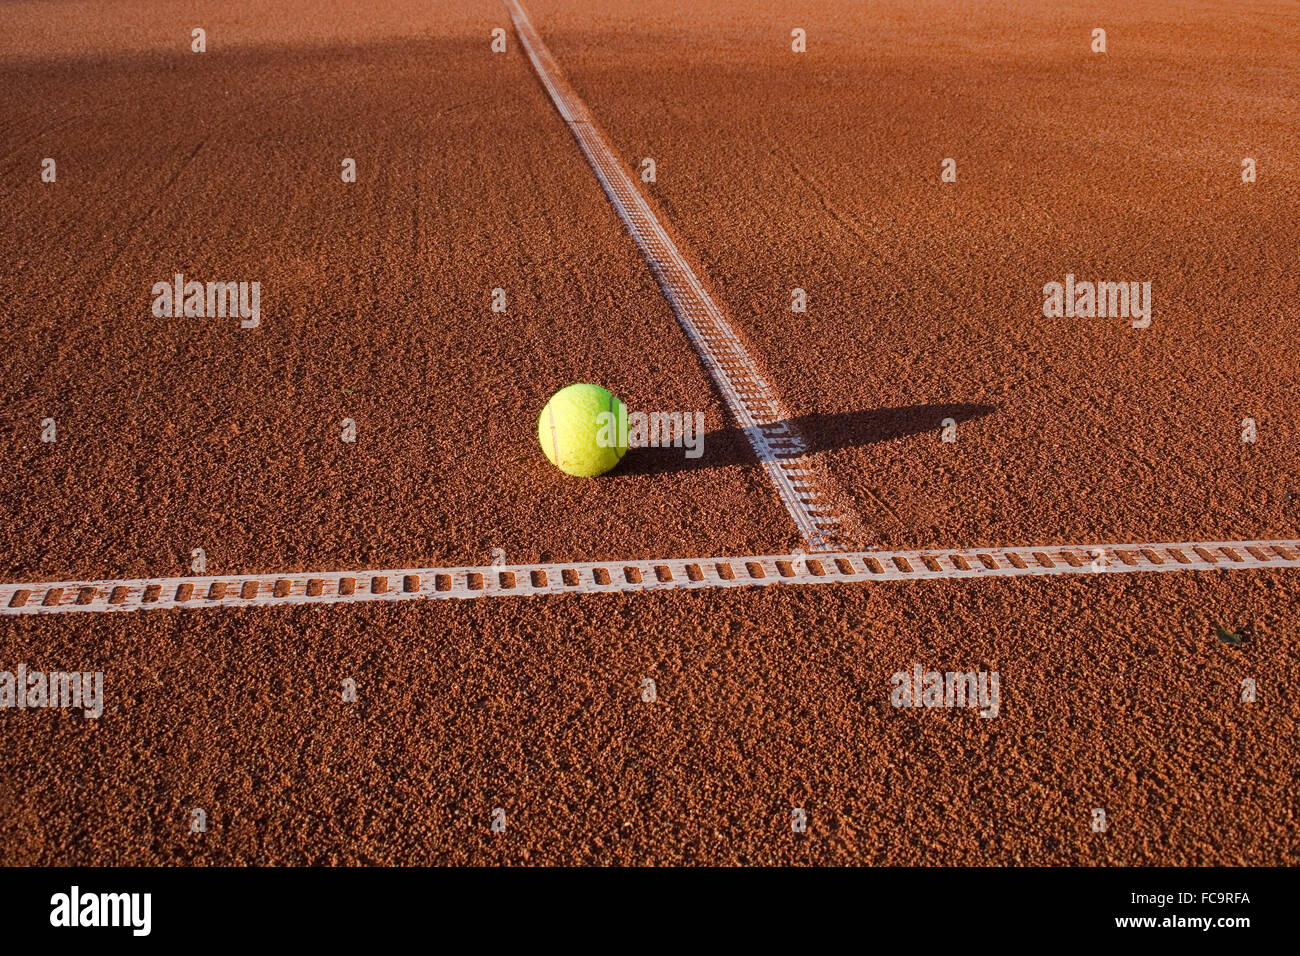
<point>725,447</point>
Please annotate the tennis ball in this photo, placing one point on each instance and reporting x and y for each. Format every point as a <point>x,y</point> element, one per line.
<point>580,430</point>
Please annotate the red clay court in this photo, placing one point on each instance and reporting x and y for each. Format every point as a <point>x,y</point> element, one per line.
<point>344,606</point>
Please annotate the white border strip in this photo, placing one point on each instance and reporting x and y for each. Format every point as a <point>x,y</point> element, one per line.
<point>595,577</point>
<point>752,401</point>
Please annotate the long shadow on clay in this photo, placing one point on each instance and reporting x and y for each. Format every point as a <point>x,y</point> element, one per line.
<point>728,446</point>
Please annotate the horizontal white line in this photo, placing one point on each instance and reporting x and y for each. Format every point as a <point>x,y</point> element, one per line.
<point>593,577</point>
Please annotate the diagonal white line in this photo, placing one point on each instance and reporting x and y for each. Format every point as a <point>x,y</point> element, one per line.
<point>752,402</point>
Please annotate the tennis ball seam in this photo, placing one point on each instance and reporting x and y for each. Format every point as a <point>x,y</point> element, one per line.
<point>555,441</point>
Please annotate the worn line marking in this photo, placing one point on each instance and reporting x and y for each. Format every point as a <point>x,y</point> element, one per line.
<point>526,580</point>
<point>752,402</point>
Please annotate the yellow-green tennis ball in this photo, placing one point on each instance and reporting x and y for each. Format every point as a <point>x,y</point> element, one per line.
<point>581,430</point>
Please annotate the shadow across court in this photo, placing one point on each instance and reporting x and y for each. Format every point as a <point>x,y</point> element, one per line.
<point>724,447</point>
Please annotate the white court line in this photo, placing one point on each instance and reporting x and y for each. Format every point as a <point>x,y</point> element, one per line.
<point>752,401</point>
<point>595,577</point>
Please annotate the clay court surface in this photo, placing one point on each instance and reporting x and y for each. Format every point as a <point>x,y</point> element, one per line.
<point>818,170</point>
